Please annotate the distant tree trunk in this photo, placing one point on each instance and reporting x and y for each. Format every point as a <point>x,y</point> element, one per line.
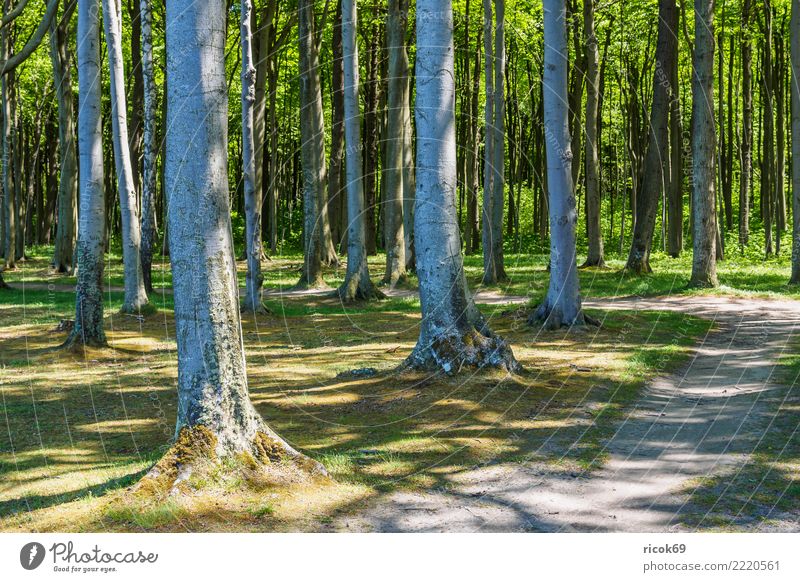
<point>704,266</point>
<point>252,301</point>
<point>562,304</point>
<point>9,224</point>
<point>371,105</point>
<point>494,148</point>
<point>312,129</point>
<point>472,230</point>
<point>214,407</point>
<point>794,26</point>
<point>780,145</point>
<point>768,135</point>
<point>746,141</point>
<point>675,198</point>
<point>336,175</point>
<point>357,284</point>
<point>594,231</point>
<point>66,231</point>
<point>393,170</point>
<point>88,328</point>
<point>453,332</point>
<point>135,295</point>
<point>656,165</point>
<point>409,175</point>
<point>149,145</point>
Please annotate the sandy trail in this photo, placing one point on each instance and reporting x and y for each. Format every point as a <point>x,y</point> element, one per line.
<point>702,420</point>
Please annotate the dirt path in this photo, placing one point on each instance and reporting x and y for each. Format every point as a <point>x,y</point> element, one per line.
<point>700,421</point>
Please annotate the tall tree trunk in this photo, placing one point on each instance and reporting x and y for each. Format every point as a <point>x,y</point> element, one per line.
<point>704,265</point>
<point>213,399</point>
<point>494,140</point>
<point>149,146</point>
<point>312,129</point>
<point>66,231</point>
<point>675,198</point>
<point>594,231</point>
<point>656,168</point>
<point>336,175</point>
<point>794,27</point>
<point>357,284</point>
<point>562,304</point>
<point>88,328</point>
<point>453,333</point>
<point>9,223</point>
<point>746,147</point>
<point>393,170</point>
<point>252,301</point>
<point>135,295</point>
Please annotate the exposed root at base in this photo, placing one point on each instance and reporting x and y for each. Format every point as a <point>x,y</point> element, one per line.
<point>454,352</point>
<point>552,319</point>
<point>192,462</point>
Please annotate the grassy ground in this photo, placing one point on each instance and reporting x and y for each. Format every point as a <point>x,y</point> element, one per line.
<point>80,430</point>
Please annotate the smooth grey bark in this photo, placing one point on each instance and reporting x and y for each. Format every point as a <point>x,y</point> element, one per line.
<point>149,145</point>
<point>704,260</point>
<point>66,231</point>
<point>393,170</point>
<point>494,149</point>
<point>746,147</point>
<point>562,304</point>
<point>212,378</point>
<point>9,206</point>
<point>88,328</point>
<point>312,136</point>
<point>656,164</point>
<point>453,333</point>
<point>594,233</point>
<point>675,198</point>
<point>794,27</point>
<point>357,284</point>
<point>252,301</point>
<point>409,176</point>
<point>135,295</point>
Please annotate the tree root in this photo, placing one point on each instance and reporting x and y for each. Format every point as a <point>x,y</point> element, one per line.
<point>553,318</point>
<point>194,458</point>
<point>453,352</point>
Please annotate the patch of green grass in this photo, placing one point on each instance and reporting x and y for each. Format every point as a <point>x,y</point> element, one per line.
<point>147,517</point>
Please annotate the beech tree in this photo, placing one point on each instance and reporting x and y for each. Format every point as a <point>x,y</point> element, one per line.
<point>357,283</point>
<point>149,146</point>
<point>453,333</point>
<point>562,304</point>
<point>794,26</point>
<point>704,259</point>
<point>135,294</point>
<point>215,414</point>
<point>88,328</point>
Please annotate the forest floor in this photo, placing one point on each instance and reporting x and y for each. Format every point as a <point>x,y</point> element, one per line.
<point>575,439</point>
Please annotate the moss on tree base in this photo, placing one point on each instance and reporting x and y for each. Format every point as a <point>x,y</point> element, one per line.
<point>552,318</point>
<point>192,462</point>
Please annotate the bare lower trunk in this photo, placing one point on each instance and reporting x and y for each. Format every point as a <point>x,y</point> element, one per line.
<point>357,284</point>
<point>562,304</point>
<point>149,146</point>
<point>252,300</point>
<point>88,328</point>
<point>704,266</point>
<point>393,171</point>
<point>214,408</point>
<point>135,295</point>
<point>747,127</point>
<point>594,232</point>
<point>795,124</point>
<point>66,231</point>
<point>453,333</point>
<point>656,165</point>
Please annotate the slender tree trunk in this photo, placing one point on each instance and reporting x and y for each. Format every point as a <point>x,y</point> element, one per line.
<point>562,304</point>
<point>593,194</point>
<point>9,223</point>
<point>66,231</point>
<point>336,175</point>
<point>312,129</point>
<point>252,301</point>
<point>215,414</point>
<point>704,266</point>
<point>149,146</point>
<point>393,170</point>
<point>453,333</point>
<point>88,328</point>
<point>794,27</point>
<point>357,284</point>
<point>656,167</point>
<point>747,127</point>
<point>675,198</point>
<point>135,295</point>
